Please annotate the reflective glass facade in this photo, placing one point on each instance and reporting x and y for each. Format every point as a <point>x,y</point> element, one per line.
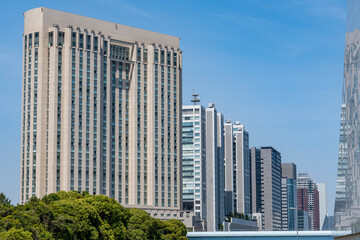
<point>352,118</point>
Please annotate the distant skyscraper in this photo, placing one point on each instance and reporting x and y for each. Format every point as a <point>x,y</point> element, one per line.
<point>101,108</point>
<point>266,186</point>
<point>194,159</point>
<point>289,197</point>
<point>238,168</point>
<point>347,202</point>
<point>342,194</point>
<point>323,211</point>
<point>308,198</point>
<point>304,220</point>
<point>214,168</point>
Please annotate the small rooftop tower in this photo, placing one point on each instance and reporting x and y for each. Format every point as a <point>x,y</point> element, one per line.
<point>196,98</point>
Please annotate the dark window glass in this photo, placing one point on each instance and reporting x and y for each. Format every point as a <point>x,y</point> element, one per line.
<point>61,36</point>
<point>73,39</point>
<point>145,55</point>
<point>25,43</point>
<point>51,39</point>
<point>88,42</point>
<point>162,57</point>
<point>95,43</point>
<point>36,41</point>
<point>81,40</point>
<point>105,47</point>
<point>30,40</point>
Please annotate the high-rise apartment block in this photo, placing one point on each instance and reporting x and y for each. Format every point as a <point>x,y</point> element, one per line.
<point>194,159</point>
<point>237,169</point>
<point>101,110</point>
<point>308,199</point>
<point>214,170</point>
<point>289,197</point>
<point>266,186</point>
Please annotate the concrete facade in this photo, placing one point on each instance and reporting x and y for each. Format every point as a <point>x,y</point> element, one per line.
<point>214,194</point>
<point>101,110</point>
<point>323,210</point>
<point>266,186</point>
<point>238,169</point>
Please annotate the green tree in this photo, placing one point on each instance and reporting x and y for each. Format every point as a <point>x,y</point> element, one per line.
<point>74,215</point>
<point>4,200</point>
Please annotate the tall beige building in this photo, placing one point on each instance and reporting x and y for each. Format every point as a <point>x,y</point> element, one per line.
<point>101,109</point>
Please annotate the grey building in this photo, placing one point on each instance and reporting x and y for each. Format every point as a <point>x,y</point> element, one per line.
<point>266,186</point>
<point>238,169</point>
<point>289,197</point>
<point>194,159</point>
<point>214,168</point>
<point>101,108</point>
<point>304,220</point>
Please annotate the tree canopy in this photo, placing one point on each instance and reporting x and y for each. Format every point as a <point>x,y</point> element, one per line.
<point>72,215</point>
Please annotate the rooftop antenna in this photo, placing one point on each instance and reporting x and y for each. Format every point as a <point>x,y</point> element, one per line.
<point>196,98</point>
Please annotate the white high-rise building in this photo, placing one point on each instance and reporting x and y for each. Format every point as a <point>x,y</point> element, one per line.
<point>323,211</point>
<point>194,159</point>
<point>237,168</point>
<point>101,108</point>
<point>214,170</point>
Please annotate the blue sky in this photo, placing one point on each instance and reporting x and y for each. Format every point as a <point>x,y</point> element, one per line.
<point>276,66</point>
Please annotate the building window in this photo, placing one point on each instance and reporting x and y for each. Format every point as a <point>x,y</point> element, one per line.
<point>168,58</point>
<point>162,57</point>
<point>51,39</point>
<point>88,42</point>
<point>73,39</point>
<point>138,56</point>
<point>25,43</point>
<point>30,40</point>
<point>156,56</point>
<point>61,36</point>
<point>36,40</point>
<point>145,55</point>
<point>96,43</point>
<point>105,47</point>
<point>174,59</point>
<point>81,40</point>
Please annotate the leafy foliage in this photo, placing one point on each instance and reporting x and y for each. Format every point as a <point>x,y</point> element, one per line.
<point>72,215</point>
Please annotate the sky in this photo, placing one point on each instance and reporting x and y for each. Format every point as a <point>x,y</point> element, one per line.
<point>276,66</point>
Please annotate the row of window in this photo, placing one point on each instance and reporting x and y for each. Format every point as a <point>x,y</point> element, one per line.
<point>30,40</point>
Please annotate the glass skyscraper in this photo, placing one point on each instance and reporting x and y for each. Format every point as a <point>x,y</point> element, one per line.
<point>347,206</point>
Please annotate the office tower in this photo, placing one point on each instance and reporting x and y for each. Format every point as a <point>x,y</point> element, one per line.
<point>101,111</point>
<point>214,195</point>
<point>229,167</point>
<point>238,169</point>
<point>342,195</point>
<point>323,211</point>
<point>347,201</point>
<point>304,220</point>
<point>266,186</point>
<point>194,159</point>
<point>328,223</point>
<point>289,197</point>
<point>221,165</point>
<point>308,198</point>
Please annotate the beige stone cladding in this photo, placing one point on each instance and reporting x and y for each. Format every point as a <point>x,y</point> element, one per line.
<point>100,110</point>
